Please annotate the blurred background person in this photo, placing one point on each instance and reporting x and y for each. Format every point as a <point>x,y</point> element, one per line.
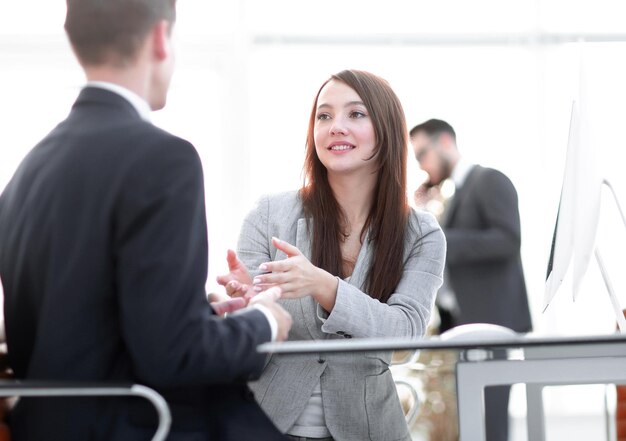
<point>352,259</point>
<point>484,280</point>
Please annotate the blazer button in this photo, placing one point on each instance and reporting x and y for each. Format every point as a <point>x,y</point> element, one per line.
<point>321,361</point>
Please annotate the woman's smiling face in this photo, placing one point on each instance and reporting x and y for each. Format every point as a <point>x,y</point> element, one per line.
<point>344,135</point>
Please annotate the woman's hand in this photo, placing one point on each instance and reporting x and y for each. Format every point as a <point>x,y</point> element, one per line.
<point>237,282</point>
<point>297,277</point>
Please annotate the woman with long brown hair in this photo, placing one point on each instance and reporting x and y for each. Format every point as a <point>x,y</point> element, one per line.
<point>352,259</point>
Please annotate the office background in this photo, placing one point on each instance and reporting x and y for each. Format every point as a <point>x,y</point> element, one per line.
<point>503,73</point>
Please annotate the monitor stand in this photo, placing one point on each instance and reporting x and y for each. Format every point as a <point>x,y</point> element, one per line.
<point>617,309</point>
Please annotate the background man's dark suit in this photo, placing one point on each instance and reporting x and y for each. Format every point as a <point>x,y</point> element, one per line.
<point>482,227</point>
<point>103,259</point>
<point>484,268</point>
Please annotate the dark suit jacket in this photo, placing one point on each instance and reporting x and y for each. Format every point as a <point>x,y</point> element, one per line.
<point>103,259</point>
<point>482,227</point>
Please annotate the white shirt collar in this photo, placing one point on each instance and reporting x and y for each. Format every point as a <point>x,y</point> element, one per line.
<point>460,172</point>
<point>140,105</point>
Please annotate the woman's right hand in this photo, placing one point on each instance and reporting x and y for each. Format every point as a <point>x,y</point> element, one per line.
<point>237,282</point>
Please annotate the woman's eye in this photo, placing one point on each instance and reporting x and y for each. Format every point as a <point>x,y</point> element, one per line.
<point>357,114</point>
<point>323,116</point>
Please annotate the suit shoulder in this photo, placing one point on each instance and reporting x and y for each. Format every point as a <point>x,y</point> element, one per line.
<point>423,221</point>
<point>424,230</point>
<point>278,214</point>
<point>284,199</point>
<point>491,179</point>
<point>155,145</point>
<point>160,138</point>
<point>492,174</point>
<point>279,204</point>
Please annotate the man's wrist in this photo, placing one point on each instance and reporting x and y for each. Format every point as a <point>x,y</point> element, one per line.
<point>270,319</point>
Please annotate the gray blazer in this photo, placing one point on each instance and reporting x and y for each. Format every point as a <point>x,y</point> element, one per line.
<point>358,392</point>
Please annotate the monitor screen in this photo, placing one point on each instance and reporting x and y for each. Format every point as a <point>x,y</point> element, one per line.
<point>579,209</point>
<point>578,214</point>
<point>563,238</point>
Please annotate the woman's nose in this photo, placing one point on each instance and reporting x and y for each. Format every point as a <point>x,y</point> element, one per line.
<point>338,127</point>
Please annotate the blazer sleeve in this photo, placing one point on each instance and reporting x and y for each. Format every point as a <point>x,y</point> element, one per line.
<point>495,202</point>
<point>161,253</point>
<point>407,312</point>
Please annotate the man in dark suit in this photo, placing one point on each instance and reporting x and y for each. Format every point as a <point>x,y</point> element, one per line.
<point>484,276</point>
<point>103,255</point>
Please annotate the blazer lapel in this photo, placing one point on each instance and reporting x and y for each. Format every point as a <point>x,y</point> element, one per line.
<point>449,211</point>
<point>303,242</point>
<point>362,264</point>
<point>308,306</point>
<point>459,194</point>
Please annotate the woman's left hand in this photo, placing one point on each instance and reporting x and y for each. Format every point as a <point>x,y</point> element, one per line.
<point>296,275</point>
<point>238,281</point>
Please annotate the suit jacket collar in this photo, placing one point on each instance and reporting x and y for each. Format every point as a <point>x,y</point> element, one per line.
<point>459,194</point>
<point>139,103</point>
<point>308,306</point>
<point>461,171</point>
<point>90,96</point>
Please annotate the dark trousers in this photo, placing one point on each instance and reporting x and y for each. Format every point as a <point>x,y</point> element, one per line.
<point>497,413</point>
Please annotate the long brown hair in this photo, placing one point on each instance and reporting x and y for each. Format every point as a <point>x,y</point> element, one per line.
<point>388,217</point>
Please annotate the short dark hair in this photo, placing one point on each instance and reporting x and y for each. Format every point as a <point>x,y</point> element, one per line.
<point>113,30</point>
<point>433,127</point>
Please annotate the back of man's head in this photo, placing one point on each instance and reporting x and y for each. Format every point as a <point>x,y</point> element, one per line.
<point>434,128</point>
<point>112,31</point>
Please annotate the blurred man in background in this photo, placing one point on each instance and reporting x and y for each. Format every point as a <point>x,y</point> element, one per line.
<point>484,280</point>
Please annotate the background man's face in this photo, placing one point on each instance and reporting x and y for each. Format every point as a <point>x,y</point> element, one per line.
<point>430,157</point>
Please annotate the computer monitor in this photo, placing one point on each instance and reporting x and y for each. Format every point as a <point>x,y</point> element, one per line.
<point>578,214</point>
<point>562,247</point>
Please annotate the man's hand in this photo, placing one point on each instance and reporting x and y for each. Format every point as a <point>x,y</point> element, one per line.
<point>223,304</point>
<point>426,193</point>
<point>268,299</point>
